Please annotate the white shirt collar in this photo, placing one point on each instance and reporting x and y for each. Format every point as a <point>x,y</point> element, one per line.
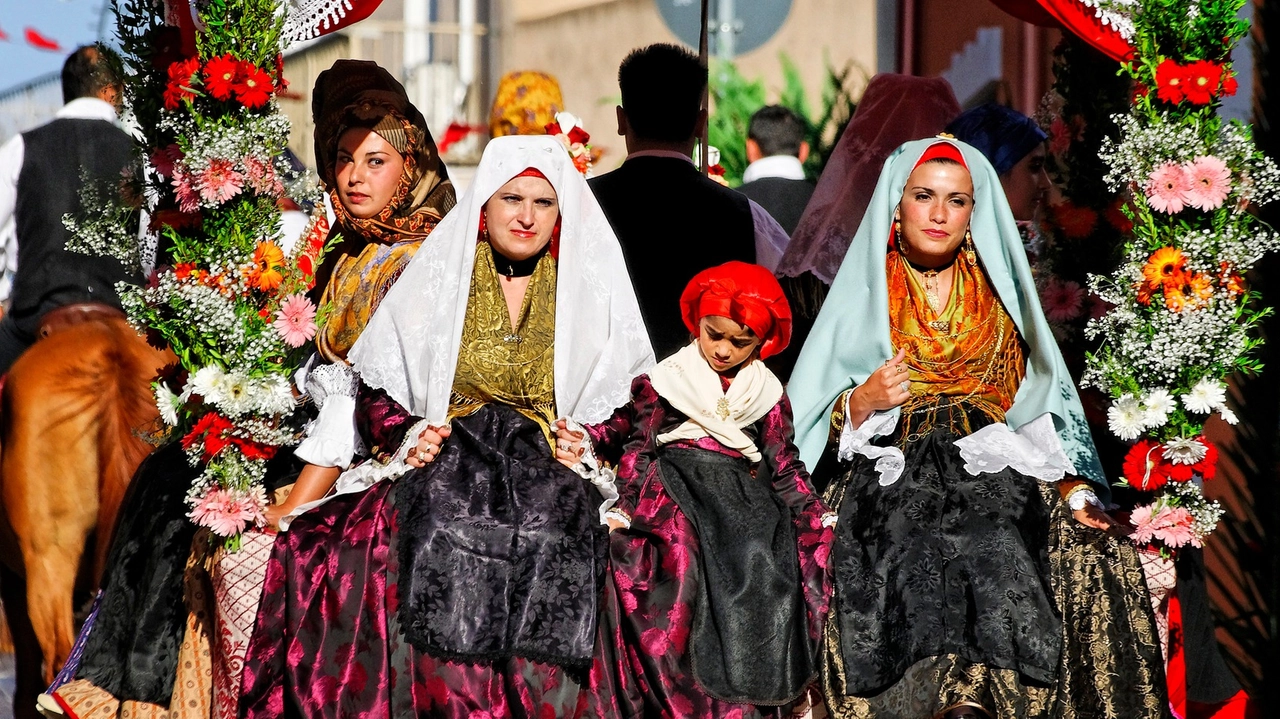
<point>787,167</point>
<point>87,108</point>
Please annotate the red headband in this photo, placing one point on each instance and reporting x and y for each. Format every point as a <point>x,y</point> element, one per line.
<point>555,231</point>
<point>745,293</point>
<point>942,150</point>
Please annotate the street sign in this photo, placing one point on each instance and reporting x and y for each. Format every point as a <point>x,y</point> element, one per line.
<point>753,22</point>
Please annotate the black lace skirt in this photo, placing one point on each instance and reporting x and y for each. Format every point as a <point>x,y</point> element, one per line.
<point>942,563</point>
<point>501,548</point>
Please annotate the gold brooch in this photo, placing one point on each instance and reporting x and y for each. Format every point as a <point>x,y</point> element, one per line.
<point>945,136</point>
<point>722,409</point>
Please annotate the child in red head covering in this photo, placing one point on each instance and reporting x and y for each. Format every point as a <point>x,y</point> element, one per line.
<point>720,546</point>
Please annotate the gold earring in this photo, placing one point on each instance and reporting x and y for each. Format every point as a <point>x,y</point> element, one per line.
<point>903,247</point>
<point>969,253</point>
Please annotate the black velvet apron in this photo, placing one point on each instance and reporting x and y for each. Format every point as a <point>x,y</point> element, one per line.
<point>501,549</point>
<point>942,563</point>
<point>749,641</point>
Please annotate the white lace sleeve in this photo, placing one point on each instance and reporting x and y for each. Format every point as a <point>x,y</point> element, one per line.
<point>332,439</point>
<point>1033,450</point>
<point>593,471</point>
<point>889,460</point>
<point>365,475</point>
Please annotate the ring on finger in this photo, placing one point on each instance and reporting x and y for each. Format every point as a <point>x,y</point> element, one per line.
<point>905,385</point>
<point>422,456</point>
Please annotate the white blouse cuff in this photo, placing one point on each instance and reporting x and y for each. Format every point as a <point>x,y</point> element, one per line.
<point>592,470</point>
<point>365,475</point>
<point>889,460</point>
<point>332,438</point>
<point>1034,450</point>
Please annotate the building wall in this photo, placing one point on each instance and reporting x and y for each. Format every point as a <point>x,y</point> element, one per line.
<point>582,42</point>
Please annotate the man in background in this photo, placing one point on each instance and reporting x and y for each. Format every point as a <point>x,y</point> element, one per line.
<point>777,150</point>
<point>671,220</point>
<point>41,174</point>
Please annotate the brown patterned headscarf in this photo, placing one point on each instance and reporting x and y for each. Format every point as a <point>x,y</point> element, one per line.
<point>359,93</point>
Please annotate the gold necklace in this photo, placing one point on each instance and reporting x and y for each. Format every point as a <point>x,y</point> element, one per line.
<point>929,278</point>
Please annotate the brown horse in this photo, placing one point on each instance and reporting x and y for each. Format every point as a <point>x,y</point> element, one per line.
<point>72,409</point>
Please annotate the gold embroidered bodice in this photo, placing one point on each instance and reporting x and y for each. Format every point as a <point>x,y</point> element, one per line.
<point>499,364</point>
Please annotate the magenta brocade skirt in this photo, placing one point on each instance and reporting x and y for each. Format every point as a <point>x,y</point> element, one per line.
<point>328,642</point>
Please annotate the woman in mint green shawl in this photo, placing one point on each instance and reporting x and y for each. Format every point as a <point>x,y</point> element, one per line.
<point>933,396</point>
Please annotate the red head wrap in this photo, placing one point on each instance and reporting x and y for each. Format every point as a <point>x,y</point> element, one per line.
<point>555,231</point>
<point>942,150</point>
<point>745,293</point>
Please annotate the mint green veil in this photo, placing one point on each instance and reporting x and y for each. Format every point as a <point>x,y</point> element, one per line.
<point>850,338</point>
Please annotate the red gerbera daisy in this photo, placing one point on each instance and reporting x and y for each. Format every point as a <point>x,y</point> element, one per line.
<point>1203,78</point>
<point>220,75</point>
<point>1171,82</point>
<point>180,82</point>
<point>254,88</point>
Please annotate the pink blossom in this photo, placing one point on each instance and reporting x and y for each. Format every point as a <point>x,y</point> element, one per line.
<point>164,158</point>
<point>1210,182</point>
<point>1063,301</point>
<point>220,182</point>
<point>261,176</point>
<point>225,513</point>
<point>185,191</point>
<point>1167,188</point>
<point>296,320</point>
<point>1171,526</point>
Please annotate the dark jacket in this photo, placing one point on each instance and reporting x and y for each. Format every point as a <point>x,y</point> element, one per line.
<point>672,223</point>
<point>56,157</point>
<point>784,199</point>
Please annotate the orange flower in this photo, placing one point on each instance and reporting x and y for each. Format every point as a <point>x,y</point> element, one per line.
<point>1192,291</point>
<point>268,259</point>
<point>1166,268</point>
<point>1232,281</point>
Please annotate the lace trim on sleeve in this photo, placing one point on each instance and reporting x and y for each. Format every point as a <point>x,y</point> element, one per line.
<point>331,380</point>
<point>1034,450</point>
<point>602,476</point>
<point>889,460</point>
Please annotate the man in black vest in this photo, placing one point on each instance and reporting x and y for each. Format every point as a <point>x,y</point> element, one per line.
<point>41,174</point>
<point>775,178</point>
<point>671,220</point>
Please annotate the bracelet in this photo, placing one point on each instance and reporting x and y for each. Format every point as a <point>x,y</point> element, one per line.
<point>1080,495</point>
<point>620,515</point>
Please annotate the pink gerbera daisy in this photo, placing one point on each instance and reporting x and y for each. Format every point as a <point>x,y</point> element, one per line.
<point>220,182</point>
<point>185,191</point>
<point>296,320</point>
<point>1167,188</point>
<point>1210,183</point>
<point>261,175</point>
<point>225,513</point>
<point>1063,301</point>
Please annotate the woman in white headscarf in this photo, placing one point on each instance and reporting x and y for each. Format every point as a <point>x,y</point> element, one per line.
<point>460,570</point>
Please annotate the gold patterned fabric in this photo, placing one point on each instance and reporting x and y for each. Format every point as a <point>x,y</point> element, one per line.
<point>976,358</point>
<point>525,103</point>
<point>362,274</point>
<point>501,365</point>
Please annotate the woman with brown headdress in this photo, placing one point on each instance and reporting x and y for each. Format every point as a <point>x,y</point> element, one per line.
<point>175,617</point>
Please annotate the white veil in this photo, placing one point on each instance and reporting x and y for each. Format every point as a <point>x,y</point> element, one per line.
<point>410,346</point>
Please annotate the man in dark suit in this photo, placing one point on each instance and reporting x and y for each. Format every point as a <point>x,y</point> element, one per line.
<point>671,220</point>
<point>775,178</point>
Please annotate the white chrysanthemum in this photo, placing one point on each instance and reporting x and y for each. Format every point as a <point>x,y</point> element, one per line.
<point>167,402</point>
<point>1183,450</point>
<point>1228,416</point>
<point>238,396</point>
<point>1206,396</point>
<point>273,396</point>
<point>1157,405</point>
<point>209,382</point>
<point>1126,418</point>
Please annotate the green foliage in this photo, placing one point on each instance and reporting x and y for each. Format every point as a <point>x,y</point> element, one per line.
<point>734,99</point>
